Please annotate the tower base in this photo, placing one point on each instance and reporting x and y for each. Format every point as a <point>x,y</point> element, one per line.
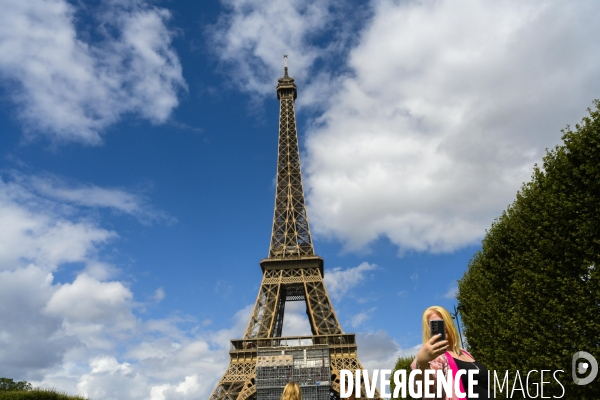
<point>239,381</point>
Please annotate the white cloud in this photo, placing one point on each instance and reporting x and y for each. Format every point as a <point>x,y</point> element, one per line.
<point>33,231</point>
<point>295,321</point>
<point>378,350</point>
<point>38,236</point>
<point>89,195</point>
<point>93,311</point>
<point>27,336</point>
<point>357,319</point>
<point>447,107</point>
<point>435,117</point>
<point>109,379</point>
<point>159,295</point>
<point>189,386</point>
<point>253,35</point>
<point>339,282</point>
<point>451,293</point>
<point>70,89</point>
<point>82,336</point>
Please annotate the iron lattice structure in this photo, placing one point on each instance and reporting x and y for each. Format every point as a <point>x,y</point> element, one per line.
<point>291,272</point>
<point>291,234</point>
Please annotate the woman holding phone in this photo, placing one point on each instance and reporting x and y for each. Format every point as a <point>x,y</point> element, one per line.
<point>446,355</point>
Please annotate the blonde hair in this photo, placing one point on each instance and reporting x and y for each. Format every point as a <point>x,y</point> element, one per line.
<point>450,327</point>
<point>291,391</point>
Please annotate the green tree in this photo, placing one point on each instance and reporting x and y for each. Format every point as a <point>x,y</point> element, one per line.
<point>7,384</point>
<point>401,363</point>
<point>531,295</point>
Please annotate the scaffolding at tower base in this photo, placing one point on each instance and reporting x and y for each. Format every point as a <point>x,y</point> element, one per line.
<point>308,366</point>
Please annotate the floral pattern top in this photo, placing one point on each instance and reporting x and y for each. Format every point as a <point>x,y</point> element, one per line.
<point>440,363</point>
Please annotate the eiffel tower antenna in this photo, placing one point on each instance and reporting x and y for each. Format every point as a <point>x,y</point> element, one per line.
<point>291,272</point>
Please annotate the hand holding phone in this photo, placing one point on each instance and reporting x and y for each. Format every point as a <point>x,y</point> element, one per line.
<point>435,346</point>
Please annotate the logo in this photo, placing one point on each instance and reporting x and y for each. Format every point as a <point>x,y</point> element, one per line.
<point>582,368</point>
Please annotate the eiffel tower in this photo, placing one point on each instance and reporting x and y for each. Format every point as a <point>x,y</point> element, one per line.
<point>291,272</point>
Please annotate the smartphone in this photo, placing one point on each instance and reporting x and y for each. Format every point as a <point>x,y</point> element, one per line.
<point>436,326</point>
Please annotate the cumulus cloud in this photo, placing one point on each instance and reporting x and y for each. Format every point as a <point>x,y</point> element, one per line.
<point>27,336</point>
<point>378,350</point>
<point>87,299</point>
<point>341,281</point>
<point>33,231</point>
<point>83,335</point>
<point>70,89</point>
<point>94,311</point>
<point>186,371</point>
<point>35,239</point>
<point>252,35</point>
<point>448,106</point>
<point>433,113</point>
<point>189,385</point>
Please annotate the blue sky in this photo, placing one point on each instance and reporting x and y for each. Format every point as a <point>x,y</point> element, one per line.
<point>138,153</point>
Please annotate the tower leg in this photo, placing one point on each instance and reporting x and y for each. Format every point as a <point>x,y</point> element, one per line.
<point>237,383</point>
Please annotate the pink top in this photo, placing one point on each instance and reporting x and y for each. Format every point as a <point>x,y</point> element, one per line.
<point>446,363</point>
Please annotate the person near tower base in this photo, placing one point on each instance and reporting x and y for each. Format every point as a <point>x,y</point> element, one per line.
<point>291,391</point>
<point>447,356</point>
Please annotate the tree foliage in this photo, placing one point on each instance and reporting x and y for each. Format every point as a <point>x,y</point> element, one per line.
<point>401,363</point>
<point>8,384</point>
<point>531,295</point>
<point>22,390</point>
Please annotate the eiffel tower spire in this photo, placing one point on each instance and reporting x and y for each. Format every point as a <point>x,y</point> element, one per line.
<point>291,272</point>
<point>291,234</point>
